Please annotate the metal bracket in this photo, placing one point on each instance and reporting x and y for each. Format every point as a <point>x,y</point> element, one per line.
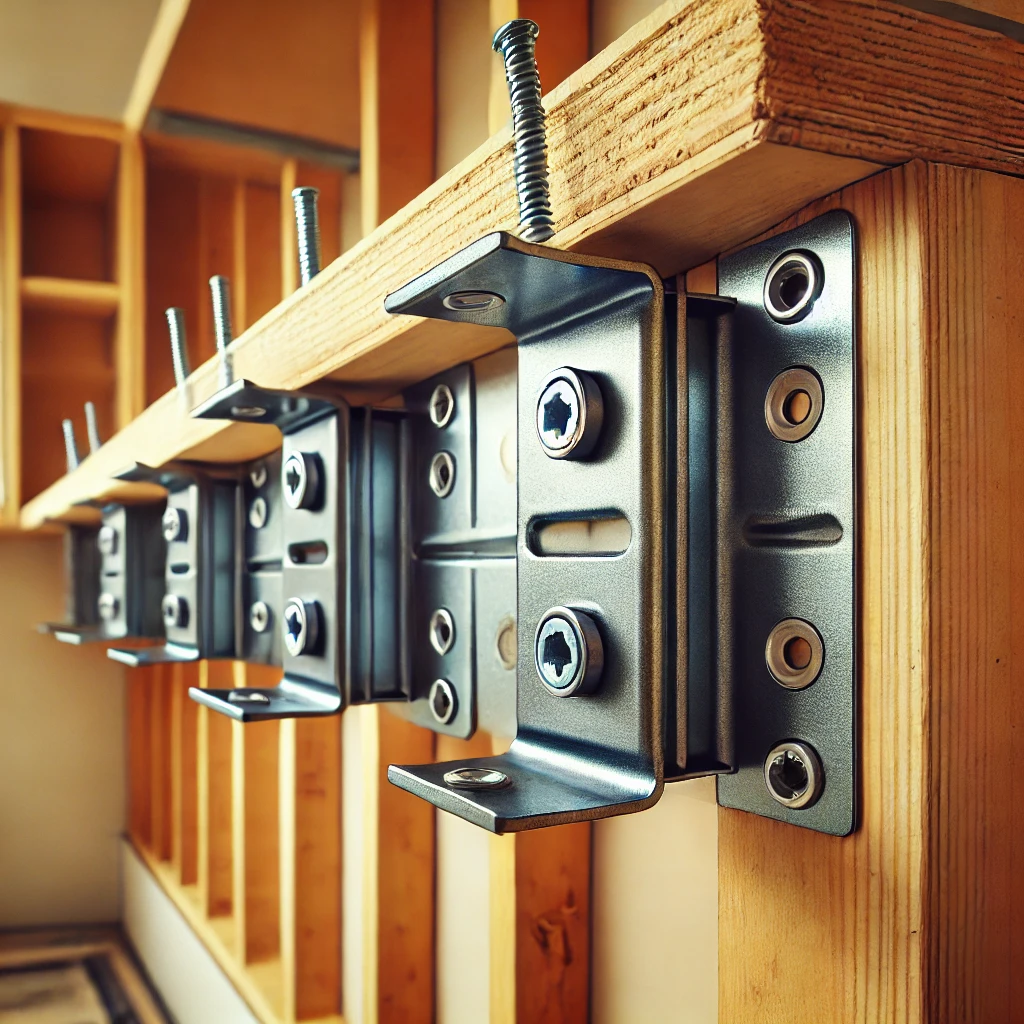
<point>683,649</point>
<point>200,528</point>
<point>129,579</point>
<point>82,572</point>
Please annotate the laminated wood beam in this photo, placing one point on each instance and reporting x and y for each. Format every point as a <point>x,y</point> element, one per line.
<point>912,918</point>
<point>706,123</point>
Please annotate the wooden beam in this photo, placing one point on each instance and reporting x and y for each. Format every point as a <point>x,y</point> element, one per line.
<point>651,143</point>
<point>139,822</point>
<point>162,36</point>
<point>897,922</point>
<point>160,835</point>
<point>183,764</point>
<point>10,326</point>
<point>397,101</point>
<point>129,348</point>
<point>213,774</point>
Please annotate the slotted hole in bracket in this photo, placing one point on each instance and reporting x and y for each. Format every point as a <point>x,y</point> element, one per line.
<point>601,535</point>
<point>313,552</point>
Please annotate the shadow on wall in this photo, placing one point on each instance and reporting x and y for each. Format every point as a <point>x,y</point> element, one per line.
<point>62,763</point>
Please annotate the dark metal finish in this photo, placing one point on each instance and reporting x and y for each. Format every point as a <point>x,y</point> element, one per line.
<point>515,41</point>
<point>200,527</point>
<point>786,541</point>
<point>82,576</point>
<point>601,753</point>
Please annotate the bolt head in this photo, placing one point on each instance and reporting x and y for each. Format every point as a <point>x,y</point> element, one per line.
<point>259,616</point>
<point>569,652</point>
<point>300,479</point>
<point>476,778</point>
<point>442,406</point>
<point>175,524</point>
<point>793,774</point>
<point>301,625</point>
<point>108,606</point>
<point>442,701</point>
<point>175,611</point>
<point>472,302</point>
<point>441,475</point>
<point>258,512</point>
<point>106,540</point>
<point>570,412</point>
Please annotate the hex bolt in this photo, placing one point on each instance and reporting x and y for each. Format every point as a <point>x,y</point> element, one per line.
<point>175,611</point>
<point>476,778</point>
<point>570,413</point>
<point>220,297</point>
<point>175,524</point>
<point>107,605</point>
<point>793,774</point>
<point>259,616</point>
<point>568,651</point>
<point>442,701</point>
<point>70,445</point>
<point>258,512</point>
<point>307,227</point>
<point>300,479</point>
<point>106,540</point>
<point>301,622</point>
<point>441,475</point>
<point>179,349</point>
<point>92,428</point>
<point>442,631</point>
<point>516,42</point>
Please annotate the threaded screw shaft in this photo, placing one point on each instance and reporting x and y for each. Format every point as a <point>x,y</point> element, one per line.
<point>179,347</point>
<point>70,446</point>
<point>220,295</point>
<point>516,42</point>
<point>92,428</point>
<point>307,226</point>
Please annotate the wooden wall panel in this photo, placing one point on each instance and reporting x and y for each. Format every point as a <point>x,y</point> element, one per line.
<point>183,764</point>
<point>139,823</point>
<point>160,809</point>
<point>215,798</point>
<point>910,918</point>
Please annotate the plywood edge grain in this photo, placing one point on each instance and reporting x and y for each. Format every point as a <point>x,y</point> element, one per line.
<point>705,124</point>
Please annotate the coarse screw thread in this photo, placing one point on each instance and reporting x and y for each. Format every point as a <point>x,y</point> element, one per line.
<point>220,295</point>
<point>179,349</point>
<point>70,447</point>
<point>515,41</point>
<point>307,227</point>
<point>92,428</point>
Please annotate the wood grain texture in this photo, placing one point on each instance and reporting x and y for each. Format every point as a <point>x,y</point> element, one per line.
<point>214,769</point>
<point>184,783</point>
<point>921,898</point>
<point>160,807</point>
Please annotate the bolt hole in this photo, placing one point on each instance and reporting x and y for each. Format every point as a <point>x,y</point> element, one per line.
<point>556,415</point>
<point>442,631</point>
<point>796,407</point>
<point>791,287</point>
<point>442,474</point>
<point>557,653</point>
<point>797,653</point>
<point>442,405</point>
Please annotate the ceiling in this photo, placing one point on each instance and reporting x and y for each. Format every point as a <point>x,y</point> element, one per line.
<point>73,56</point>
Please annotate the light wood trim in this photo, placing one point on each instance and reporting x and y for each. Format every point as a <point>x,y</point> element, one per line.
<point>289,241</point>
<point>92,298</point>
<point>213,772</point>
<point>239,277</point>
<point>160,838</point>
<point>697,104</point>
<point>183,765</point>
<point>162,36</point>
<point>906,904</point>
<point>139,823</point>
<point>129,344</point>
<point>67,124</point>
<point>10,328</point>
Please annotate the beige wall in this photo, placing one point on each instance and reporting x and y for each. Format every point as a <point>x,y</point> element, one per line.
<point>610,18</point>
<point>62,765</point>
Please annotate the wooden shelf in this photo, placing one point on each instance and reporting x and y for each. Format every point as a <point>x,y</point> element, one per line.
<point>91,298</point>
<point>684,138</point>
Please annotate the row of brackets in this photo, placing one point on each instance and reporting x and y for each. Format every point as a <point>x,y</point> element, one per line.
<point>627,541</point>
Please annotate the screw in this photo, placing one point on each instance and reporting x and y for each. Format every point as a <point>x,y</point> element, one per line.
<point>442,631</point>
<point>248,697</point>
<point>175,524</point>
<point>301,626</point>
<point>476,778</point>
<point>307,227</point>
<point>259,616</point>
<point>442,701</point>
<point>570,412</point>
<point>516,42</point>
<point>107,605</point>
<point>70,445</point>
<point>258,512</point>
<point>220,295</point>
<point>442,406</point>
<point>569,652</point>
<point>175,611</point>
<point>106,540</point>
<point>258,475</point>
<point>793,774</point>
<point>472,302</point>
<point>92,428</point>
<point>442,474</point>
<point>179,349</point>
<point>300,477</point>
